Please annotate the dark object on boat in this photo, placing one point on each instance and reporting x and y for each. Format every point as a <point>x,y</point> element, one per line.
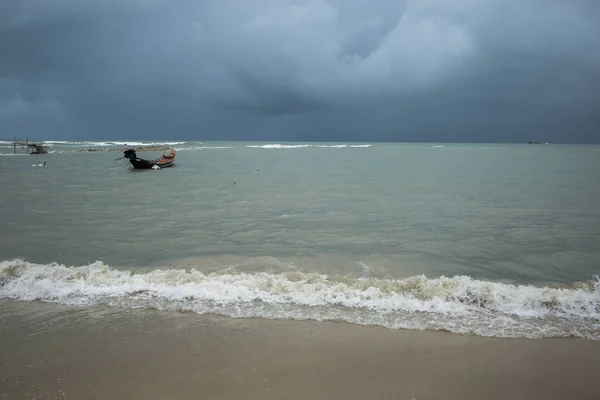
<point>37,148</point>
<point>140,163</point>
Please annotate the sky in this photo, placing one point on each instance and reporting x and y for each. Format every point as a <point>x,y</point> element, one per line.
<point>301,70</point>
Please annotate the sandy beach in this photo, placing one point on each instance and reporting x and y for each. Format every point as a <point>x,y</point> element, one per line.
<point>52,352</point>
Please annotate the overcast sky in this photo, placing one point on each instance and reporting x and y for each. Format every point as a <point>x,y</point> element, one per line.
<point>347,70</point>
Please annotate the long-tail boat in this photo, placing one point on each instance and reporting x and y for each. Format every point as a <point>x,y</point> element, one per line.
<point>140,163</point>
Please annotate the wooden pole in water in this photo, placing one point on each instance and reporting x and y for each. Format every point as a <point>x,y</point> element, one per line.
<point>14,145</point>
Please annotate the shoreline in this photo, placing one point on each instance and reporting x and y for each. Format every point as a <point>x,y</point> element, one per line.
<point>53,351</point>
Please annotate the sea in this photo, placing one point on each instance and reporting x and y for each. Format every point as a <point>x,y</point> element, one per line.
<point>497,240</point>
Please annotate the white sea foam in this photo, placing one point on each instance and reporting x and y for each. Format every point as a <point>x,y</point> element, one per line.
<point>203,148</point>
<point>457,304</point>
<point>107,143</point>
<point>279,146</point>
<point>302,146</point>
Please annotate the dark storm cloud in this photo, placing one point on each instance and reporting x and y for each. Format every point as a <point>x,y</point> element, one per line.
<point>441,70</point>
<point>268,98</point>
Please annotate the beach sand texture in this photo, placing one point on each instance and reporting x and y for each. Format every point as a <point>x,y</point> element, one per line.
<point>53,352</point>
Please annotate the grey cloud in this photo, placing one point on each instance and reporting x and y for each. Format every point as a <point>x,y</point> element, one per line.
<point>475,70</point>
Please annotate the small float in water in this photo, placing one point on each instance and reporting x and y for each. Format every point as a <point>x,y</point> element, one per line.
<point>158,163</point>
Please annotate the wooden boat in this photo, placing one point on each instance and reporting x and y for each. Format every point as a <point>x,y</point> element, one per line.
<point>158,163</point>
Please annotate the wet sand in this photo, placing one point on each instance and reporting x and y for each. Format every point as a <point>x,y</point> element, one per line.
<point>53,352</point>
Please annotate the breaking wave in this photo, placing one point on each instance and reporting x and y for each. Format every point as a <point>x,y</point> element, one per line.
<point>107,143</point>
<point>278,146</point>
<point>301,146</point>
<point>203,148</point>
<point>457,304</point>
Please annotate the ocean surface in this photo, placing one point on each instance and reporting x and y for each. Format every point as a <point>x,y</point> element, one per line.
<point>477,239</point>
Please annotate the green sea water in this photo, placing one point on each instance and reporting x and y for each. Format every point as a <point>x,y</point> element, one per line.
<point>378,227</point>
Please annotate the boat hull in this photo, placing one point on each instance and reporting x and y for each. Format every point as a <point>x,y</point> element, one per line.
<point>139,163</point>
<point>145,164</point>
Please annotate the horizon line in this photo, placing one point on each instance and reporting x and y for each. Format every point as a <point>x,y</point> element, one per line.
<point>295,141</point>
